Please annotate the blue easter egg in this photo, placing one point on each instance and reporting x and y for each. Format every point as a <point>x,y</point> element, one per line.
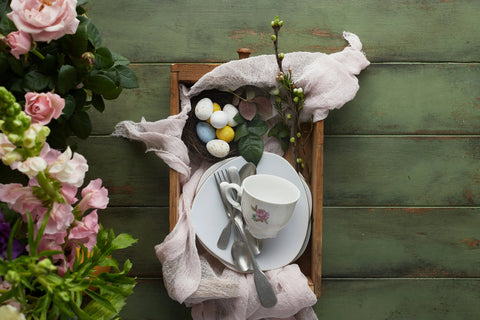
<point>205,132</point>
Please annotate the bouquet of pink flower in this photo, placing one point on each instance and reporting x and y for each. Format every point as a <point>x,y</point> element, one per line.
<point>50,240</point>
<point>51,46</point>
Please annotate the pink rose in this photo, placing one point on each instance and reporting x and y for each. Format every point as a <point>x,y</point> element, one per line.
<point>69,168</point>
<point>93,196</point>
<point>42,107</point>
<point>19,43</point>
<point>45,20</point>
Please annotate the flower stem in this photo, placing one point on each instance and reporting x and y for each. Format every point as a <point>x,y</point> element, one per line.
<point>38,54</point>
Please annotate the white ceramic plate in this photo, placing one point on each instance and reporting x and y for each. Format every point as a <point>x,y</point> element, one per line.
<point>210,171</point>
<point>209,218</point>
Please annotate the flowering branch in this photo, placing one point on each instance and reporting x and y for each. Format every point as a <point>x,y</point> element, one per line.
<point>289,104</point>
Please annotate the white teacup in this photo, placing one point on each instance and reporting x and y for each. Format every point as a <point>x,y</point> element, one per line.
<point>267,203</point>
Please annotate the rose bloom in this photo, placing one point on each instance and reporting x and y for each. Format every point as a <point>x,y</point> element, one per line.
<point>19,43</point>
<point>42,107</point>
<point>45,20</point>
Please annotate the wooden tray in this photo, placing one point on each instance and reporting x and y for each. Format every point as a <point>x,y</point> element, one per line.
<point>311,260</point>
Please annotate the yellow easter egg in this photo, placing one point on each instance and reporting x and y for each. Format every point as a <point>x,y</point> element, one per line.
<point>216,107</point>
<point>226,134</point>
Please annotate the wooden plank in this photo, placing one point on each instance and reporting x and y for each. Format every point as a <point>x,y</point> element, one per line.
<point>150,301</point>
<point>205,31</point>
<point>401,242</point>
<point>393,99</point>
<point>447,299</point>
<point>369,299</point>
<point>133,177</point>
<point>412,99</point>
<point>402,171</point>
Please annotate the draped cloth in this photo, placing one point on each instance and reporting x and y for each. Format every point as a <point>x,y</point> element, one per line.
<point>191,275</point>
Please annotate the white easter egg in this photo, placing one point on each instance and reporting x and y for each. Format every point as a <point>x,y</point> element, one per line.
<point>231,112</point>
<point>218,148</point>
<point>218,119</point>
<point>204,109</point>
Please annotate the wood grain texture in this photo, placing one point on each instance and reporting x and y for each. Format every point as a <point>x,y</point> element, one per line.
<point>401,242</point>
<point>186,31</point>
<point>402,171</point>
<point>393,99</point>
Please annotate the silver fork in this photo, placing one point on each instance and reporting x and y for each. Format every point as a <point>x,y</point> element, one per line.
<point>221,176</point>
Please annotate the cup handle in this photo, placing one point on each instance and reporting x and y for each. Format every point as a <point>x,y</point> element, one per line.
<point>226,188</point>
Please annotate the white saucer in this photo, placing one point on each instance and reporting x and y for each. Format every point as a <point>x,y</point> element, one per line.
<point>209,218</point>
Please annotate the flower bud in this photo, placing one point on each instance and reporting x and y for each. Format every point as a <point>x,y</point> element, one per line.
<point>299,160</point>
<point>12,277</point>
<point>289,116</point>
<point>296,99</point>
<point>280,23</point>
<point>275,92</point>
<point>281,55</point>
<point>29,140</point>
<point>47,265</point>
<point>272,24</point>
<point>292,139</point>
<point>11,157</point>
<point>88,58</point>
<point>299,134</point>
<point>273,37</point>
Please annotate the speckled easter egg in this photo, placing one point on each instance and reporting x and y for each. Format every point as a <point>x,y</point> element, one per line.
<point>218,119</point>
<point>231,112</point>
<point>218,148</point>
<point>226,133</point>
<point>204,109</point>
<point>205,132</point>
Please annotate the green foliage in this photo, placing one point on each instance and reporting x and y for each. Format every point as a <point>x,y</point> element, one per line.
<point>249,134</point>
<point>66,66</point>
<point>44,294</point>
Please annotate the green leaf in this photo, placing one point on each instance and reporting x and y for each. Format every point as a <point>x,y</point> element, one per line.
<point>239,119</point>
<point>94,35</point>
<point>127,77</point>
<point>98,103</point>
<point>103,58</point>
<point>67,78</point>
<point>35,81</point>
<point>101,300</point>
<point>123,241</point>
<point>241,131</point>
<point>16,65</point>
<point>113,94</point>
<point>69,106</point>
<point>120,60</point>
<point>81,124</point>
<point>257,126</point>
<point>251,148</point>
<point>49,64</point>
<point>80,38</point>
<point>100,83</point>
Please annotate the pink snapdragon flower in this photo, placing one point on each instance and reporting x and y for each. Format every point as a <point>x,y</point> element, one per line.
<point>54,242</point>
<point>85,231</point>
<point>20,199</point>
<point>61,217</point>
<point>32,166</point>
<point>93,196</point>
<point>5,145</point>
<point>45,20</point>
<point>69,168</point>
<point>43,107</point>
<point>19,42</point>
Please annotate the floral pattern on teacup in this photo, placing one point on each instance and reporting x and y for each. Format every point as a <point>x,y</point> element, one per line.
<point>260,215</point>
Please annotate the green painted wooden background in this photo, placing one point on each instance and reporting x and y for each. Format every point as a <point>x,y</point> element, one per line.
<point>402,161</point>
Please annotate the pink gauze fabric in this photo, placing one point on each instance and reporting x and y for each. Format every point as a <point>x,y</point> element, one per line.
<point>191,275</point>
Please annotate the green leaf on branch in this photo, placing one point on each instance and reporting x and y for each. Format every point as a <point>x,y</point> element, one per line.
<point>94,35</point>
<point>241,131</point>
<point>251,148</point>
<point>120,60</point>
<point>127,77</point>
<point>81,124</point>
<point>67,78</point>
<point>103,58</point>
<point>100,83</point>
<point>257,126</point>
<point>98,103</point>
<point>123,241</point>
<point>36,81</point>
